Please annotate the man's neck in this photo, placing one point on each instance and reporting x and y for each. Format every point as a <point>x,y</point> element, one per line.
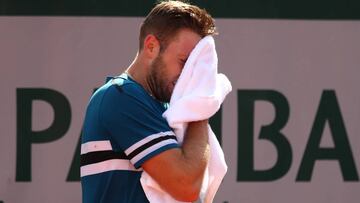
<point>138,72</point>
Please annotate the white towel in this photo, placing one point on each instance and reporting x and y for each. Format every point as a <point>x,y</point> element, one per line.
<point>197,95</point>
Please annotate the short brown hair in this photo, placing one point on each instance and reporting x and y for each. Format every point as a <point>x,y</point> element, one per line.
<point>168,17</point>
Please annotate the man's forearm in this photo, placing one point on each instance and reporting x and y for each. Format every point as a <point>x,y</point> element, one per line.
<point>180,171</point>
<point>196,149</point>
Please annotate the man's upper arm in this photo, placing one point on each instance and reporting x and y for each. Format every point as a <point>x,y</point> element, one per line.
<point>164,168</point>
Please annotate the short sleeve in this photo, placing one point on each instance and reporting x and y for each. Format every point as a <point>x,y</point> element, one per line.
<point>135,125</point>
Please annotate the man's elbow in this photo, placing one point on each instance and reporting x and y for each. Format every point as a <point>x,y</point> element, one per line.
<point>186,189</point>
<point>187,193</point>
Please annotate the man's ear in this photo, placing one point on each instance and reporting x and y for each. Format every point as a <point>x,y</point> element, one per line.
<point>151,46</point>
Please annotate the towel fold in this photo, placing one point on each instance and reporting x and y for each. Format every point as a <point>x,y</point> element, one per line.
<point>198,95</point>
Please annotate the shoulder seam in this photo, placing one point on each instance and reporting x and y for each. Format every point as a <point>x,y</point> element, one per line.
<point>100,120</point>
